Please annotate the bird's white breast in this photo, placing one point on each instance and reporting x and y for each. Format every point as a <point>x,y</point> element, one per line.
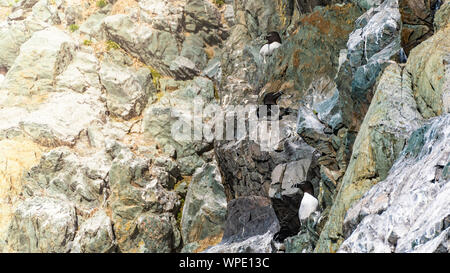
<point>2,77</point>
<point>308,205</point>
<point>267,49</point>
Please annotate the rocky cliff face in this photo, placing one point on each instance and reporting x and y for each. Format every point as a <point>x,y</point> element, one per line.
<point>102,148</point>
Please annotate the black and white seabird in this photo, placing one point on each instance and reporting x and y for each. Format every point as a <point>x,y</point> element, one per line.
<point>269,100</point>
<point>309,203</point>
<point>273,42</point>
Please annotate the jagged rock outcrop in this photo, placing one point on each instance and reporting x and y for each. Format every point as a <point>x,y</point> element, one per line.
<point>96,235</point>
<point>429,66</point>
<point>251,222</point>
<point>204,208</point>
<point>390,120</point>
<point>127,90</point>
<point>409,211</point>
<point>417,18</point>
<point>42,224</point>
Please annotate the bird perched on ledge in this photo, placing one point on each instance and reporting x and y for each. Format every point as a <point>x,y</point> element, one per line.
<point>273,42</point>
<point>309,203</point>
<point>269,100</point>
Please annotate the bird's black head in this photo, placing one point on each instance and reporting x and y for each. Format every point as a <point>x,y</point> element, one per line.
<point>273,37</point>
<point>272,97</point>
<point>306,186</point>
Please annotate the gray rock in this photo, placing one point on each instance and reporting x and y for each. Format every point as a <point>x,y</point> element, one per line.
<point>390,120</point>
<point>63,174</point>
<point>42,224</point>
<point>93,26</point>
<point>13,35</point>
<point>247,217</point>
<point>95,235</point>
<point>154,47</point>
<point>170,120</point>
<point>409,210</point>
<point>80,75</point>
<point>148,233</point>
<point>43,57</point>
<point>127,89</point>
<point>375,40</point>
<point>204,210</point>
<point>254,244</point>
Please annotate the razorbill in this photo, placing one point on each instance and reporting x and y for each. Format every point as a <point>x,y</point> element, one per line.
<point>309,203</point>
<point>270,99</point>
<point>273,42</point>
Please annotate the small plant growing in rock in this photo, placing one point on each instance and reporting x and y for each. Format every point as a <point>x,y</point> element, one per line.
<point>73,28</point>
<point>219,3</point>
<point>101,3</point>
<point>111,45</point>
<point>87,42</point>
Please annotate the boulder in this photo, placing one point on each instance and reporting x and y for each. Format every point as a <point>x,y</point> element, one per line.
<point>429,66</point>
<point>42,58</point>
<point>42,224</point>
<point>95,235</point>
<point>248,217</point>
<point>127,89</point>
<point>204,208</point>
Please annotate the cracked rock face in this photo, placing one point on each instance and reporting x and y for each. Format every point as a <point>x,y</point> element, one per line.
<point>382,136</point>
<point>410,209</point>
<point>42,224</point>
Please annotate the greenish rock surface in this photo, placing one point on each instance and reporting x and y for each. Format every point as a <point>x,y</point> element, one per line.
<point>42,224</point>
<point>391,118</point>
<point>429,66</point>
<point>389,218</point>
<point>95,235</point>
<point>204,210</point>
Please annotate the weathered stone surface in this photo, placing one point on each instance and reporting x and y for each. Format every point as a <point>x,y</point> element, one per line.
<point>43,57</point>
<point>374,41</point>
<point>417,19</point>
<point>16,155</point>
<point>391,118</point>
<point>441,19</point>
<point>95,235</point>
<point>204,208</point>
<point>247,217</point>
<point>148,233</point>
<point>429,66</point>
<point>80,75</point>
<point>13,35</point>
<point>171,119</point>
<point>409,210</point>
<point>63,174</point>
<point>142,210</point>
<point>42,224</point>
<point>154,47</point>
<point>127,89</point>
